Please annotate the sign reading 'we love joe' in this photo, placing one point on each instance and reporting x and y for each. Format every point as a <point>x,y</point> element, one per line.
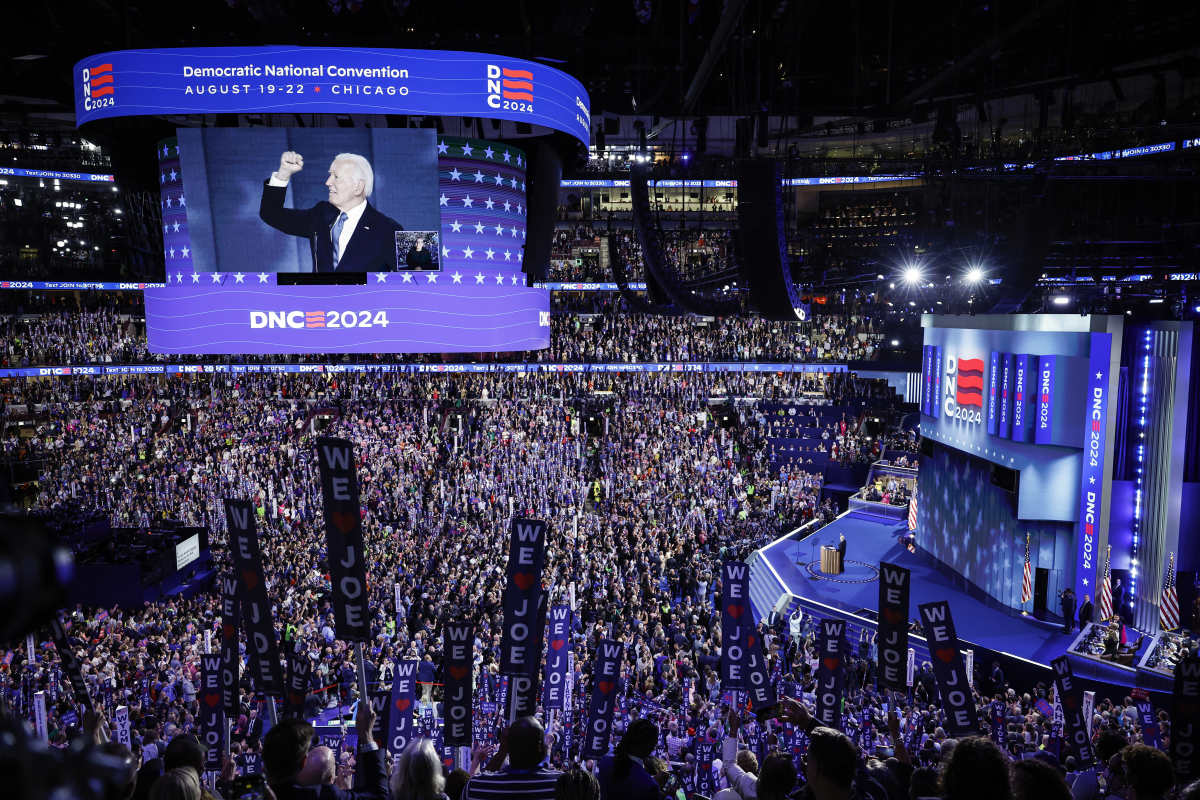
<point>948,669</point>
<point>344,539</point>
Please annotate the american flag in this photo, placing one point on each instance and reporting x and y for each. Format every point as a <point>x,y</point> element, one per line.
<point>1168,606</point>
<point>1104,599</point>
<point>1027,577</point>
<point>912,510</point>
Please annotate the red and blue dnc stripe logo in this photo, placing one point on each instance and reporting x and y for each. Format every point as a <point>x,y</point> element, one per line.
<point>969,391</point>
<point>99,86</point>
<point>509,89</point>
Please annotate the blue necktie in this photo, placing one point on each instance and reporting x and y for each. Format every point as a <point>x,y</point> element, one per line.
<point>337,237</point>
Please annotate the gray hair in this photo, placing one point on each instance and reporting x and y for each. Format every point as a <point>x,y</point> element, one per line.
<point>418,773</point>
<point>363,167</point>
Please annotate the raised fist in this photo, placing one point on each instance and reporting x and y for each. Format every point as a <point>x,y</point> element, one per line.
<point>289,164</point>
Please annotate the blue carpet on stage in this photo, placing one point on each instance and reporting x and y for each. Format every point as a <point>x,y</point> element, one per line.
<point>871,539</point>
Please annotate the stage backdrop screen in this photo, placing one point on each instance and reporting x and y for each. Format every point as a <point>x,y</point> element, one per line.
<point>187,551</point>
<point>376,240</point>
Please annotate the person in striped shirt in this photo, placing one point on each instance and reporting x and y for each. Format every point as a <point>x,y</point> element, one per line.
<point>525,778</point>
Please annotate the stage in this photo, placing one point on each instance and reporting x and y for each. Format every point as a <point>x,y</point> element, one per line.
<point>792,566</point>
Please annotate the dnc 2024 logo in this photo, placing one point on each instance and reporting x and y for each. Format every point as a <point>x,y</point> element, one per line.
<point>509,89</point>
<point>964,389</point>
<point>99,89</point>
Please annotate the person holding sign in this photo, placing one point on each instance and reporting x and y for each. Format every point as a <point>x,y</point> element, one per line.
<point>285,749</point>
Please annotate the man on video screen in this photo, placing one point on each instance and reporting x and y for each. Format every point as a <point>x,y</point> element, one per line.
<point>346,233</point>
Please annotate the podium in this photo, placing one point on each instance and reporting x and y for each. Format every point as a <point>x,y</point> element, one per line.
<point>831,563</point>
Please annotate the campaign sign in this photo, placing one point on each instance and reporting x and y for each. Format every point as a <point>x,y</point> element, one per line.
<point>231,661</point>
<point>299,669</point>
<point>830,681</point>
<point>755,679</point>
<point>458,643</point>
<point>70,663</point>
<point>261,638</point>
<point>211,722</point>
<point>735,613</point>
<point>605,678</point>
<point>344,539</point>
<point>553,693</point>
<point>381,704</point>
<point>1148,722</point>
<point>122,727</point>
<point>1070,699</point>
<point>522,596</point>
<point>894,585</point>
<point>1185,720</point>
<point>400,728</point>
<point>949,669</point>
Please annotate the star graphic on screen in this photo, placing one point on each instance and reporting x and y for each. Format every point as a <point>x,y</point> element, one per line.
<point>381,277</point>
<point>499,280</point>
<point>168,202</point>
<point>489,153</point>
<point>513,183</point>
<point>522,186</point>
<point>195,277</point>
<point>522,233</point>
<point>162,177</point>
<point>176,227</point>
<point>166,228</point>
<point>508,205</point>
<point>499,179</point>
<point>179,277</point>
<point>431,277</point>
<point>456,226</point>
<point>467,201</point>
<point>443,148</point>
<point>455,174</point>
<point>1085,582</point>
<point>478,176</point>
<point>172,252</point>
<point>1092,480</point>
<point>514,280</point>
<point>406,277</point>
<point>216,277</point>
<point>519,161</point>
<point>467,151</point>
<point>478,278</point>
<point>186,252</point>
<point>489,253</point>
<point>468,253</point>
<point>182,201</point>
<point>479,227</point>
<point>165,150</point>
<point>507,157</point>
<point>262,277</point>
<point>239,278</point>
<point>457,277</point>
<point>499,230</point>
<point>173,174</point>
<point>507,255</point>
<point>443,200</point>
<point>489,203</point>
<point>514,232</point>
<point>445,252</point>
<point>520,208</point>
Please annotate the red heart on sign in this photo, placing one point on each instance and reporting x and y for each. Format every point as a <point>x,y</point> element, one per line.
<point>750,640</point>
<point>227,631</point>
<point>344,521</point>
<point>1069,702</point>
<point>557,644</point>
<point>459,672</point>
<point>523,580</point>
<point>831,663</point>
<point>945,654</point>
<point>211,699</point>
<point>448,763</point>
<point>249,578</point>
<point>893,616</point>
<point>736,611</point>
<point>403,703</point>
<point>605,686</point>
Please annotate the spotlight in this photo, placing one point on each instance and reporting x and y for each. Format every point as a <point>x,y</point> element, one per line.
<point>912,275</point>
<point>895,343</point>
<point>1061,300</point>
<point>974,275</point>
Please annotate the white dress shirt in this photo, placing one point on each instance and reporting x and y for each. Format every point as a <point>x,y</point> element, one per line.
<point>352,218</point>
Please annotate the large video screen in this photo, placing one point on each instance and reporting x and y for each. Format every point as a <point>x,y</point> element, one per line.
<point>327,240</point>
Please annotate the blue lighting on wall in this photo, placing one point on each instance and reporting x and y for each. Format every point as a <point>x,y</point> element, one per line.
<point>1143,398</point>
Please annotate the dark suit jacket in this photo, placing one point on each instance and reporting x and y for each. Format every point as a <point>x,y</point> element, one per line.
<point>370,783</point>
<point>637,785</point>
<point>841,548</point>
<point>1085,613</point>
<point>372,248</point>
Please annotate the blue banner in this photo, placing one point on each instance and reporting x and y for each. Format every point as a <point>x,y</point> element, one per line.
<point>57,175</point>
<point>1004,423</point>
<point>605,678</point>
<point>927,379</point>
<point>1022,374</point>
<point>1044,429</point>
<point>937,382</point>
<point>400,730</point>
<point>554,690</point>
<point>993,385</point>
<point>1091,477</point>
<point>735,615</point>
<point>328,80</point>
